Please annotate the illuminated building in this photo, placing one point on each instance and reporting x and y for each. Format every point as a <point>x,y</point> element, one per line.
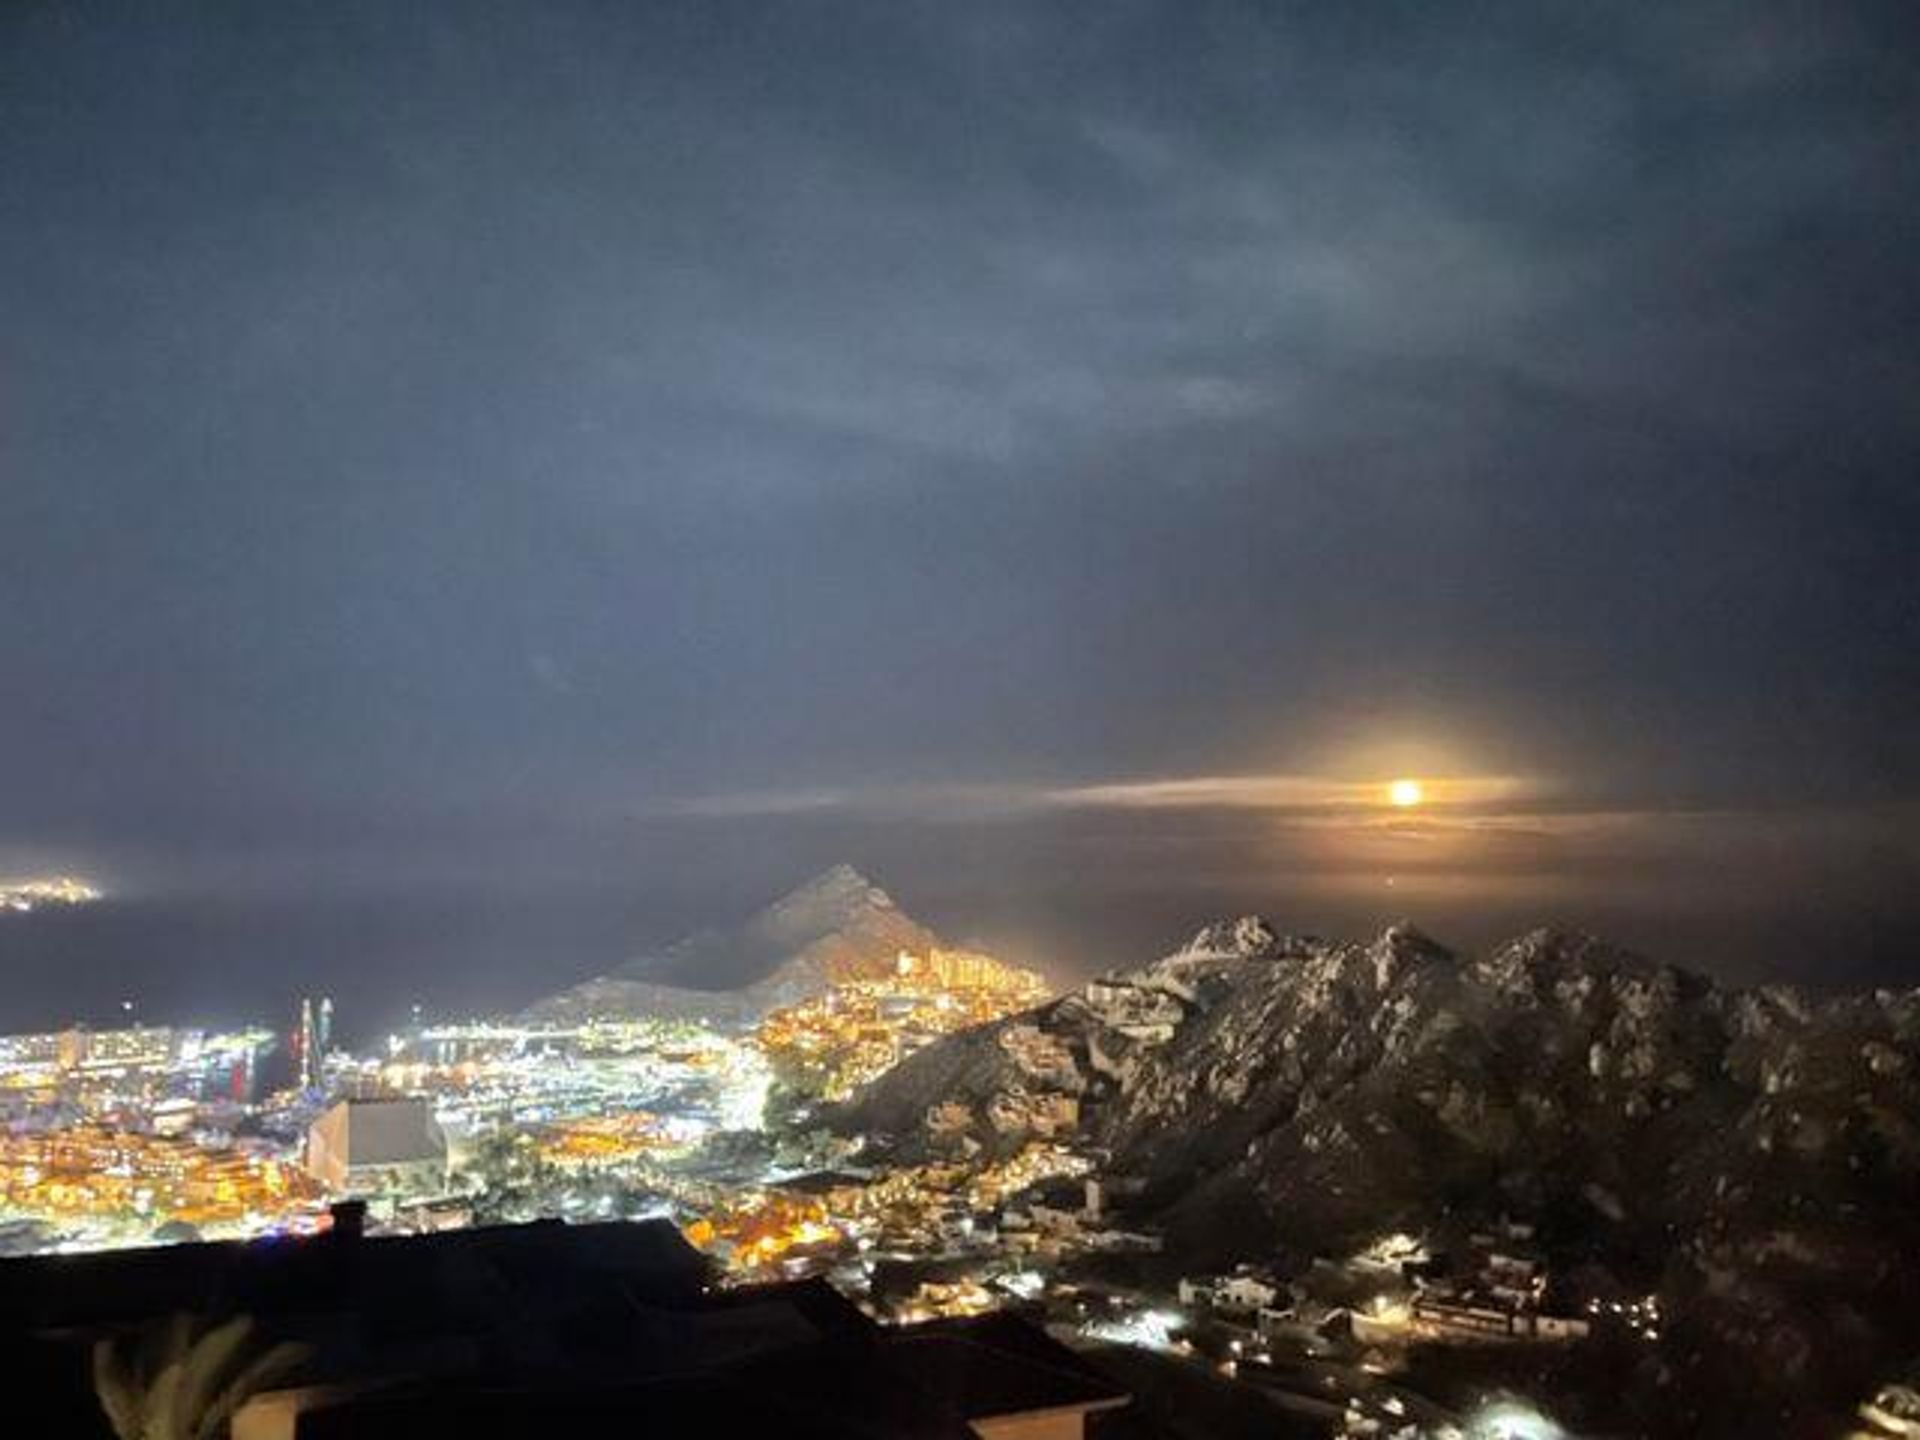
<point>303,1046</point>
<point>1245,1291</point>
<point>135,1182</point>
<point>386,1148</point>
<point>136,1048</point>
<point>760,1230</point>
<point>602,1141</point>
<point>830,1045</point>
<point>312,1040</point>
<point>965,970</point>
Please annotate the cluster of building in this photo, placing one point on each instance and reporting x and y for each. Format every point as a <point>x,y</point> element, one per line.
<point>107,1135</point>
<point>1495,1288</point>
<point>490,1074</point>
<point>768,1232</point>
<point>829,1046</point>
<point>1010,1212</point>
<point>111,1133</point>
<point>1327,1341</point>
<point>942,1239</point>
<point>599,1142</point>
<point>116,1131</point>
<point>942,969</point>
<point>133,1184</point>
<point>1246,1290</point>
<point>139,1062</point>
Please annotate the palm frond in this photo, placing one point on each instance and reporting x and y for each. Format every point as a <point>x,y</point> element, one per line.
<point>116,1383</point>
<point>212,1358</point>
<point>261,1373</point>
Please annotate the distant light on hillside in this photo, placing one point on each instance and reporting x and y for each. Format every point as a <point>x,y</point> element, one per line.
<point>24,896</point>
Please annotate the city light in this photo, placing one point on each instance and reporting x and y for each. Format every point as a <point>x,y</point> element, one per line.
<point>1148,1329</point>
<point>25,896</point>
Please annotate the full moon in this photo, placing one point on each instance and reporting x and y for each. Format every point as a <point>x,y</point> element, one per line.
<point>1404,793</point>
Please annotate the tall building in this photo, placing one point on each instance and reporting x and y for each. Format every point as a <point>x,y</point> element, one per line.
<point>304,1068</point>
<point>313,1040</point>
<point>141,1047</point>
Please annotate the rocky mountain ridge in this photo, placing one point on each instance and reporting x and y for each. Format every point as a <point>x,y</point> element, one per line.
<point>1753,1154</point>
<point>1320,1076</point>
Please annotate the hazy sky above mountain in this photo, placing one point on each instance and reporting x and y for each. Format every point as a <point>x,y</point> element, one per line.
<point>610,455</point>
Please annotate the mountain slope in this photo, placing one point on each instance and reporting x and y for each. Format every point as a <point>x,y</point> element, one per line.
<point>1347,1086</point>
<point>1753,1154</point>
<point>837,926</point>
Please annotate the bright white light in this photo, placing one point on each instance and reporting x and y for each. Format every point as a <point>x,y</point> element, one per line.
<point>1512,1420</point>
<point>1405,793</point>
<point>1151,1329</point>
<point>1027,1284</point>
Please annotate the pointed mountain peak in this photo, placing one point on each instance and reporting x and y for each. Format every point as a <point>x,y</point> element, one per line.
<point>1403,949</point>
<point>1405,938</point>
<point>1244,938</point>
<point>832,898</point>
<point>841,879</point>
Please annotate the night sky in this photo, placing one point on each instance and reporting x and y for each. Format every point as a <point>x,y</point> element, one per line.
<point>487,486</point>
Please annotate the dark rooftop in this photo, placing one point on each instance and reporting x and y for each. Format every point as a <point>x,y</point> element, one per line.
<point>452,1279</point>
<point>1027,1364</point>
<point>515,1330</point>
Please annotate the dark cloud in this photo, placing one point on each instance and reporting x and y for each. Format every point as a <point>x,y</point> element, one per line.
<point>438,440</point>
